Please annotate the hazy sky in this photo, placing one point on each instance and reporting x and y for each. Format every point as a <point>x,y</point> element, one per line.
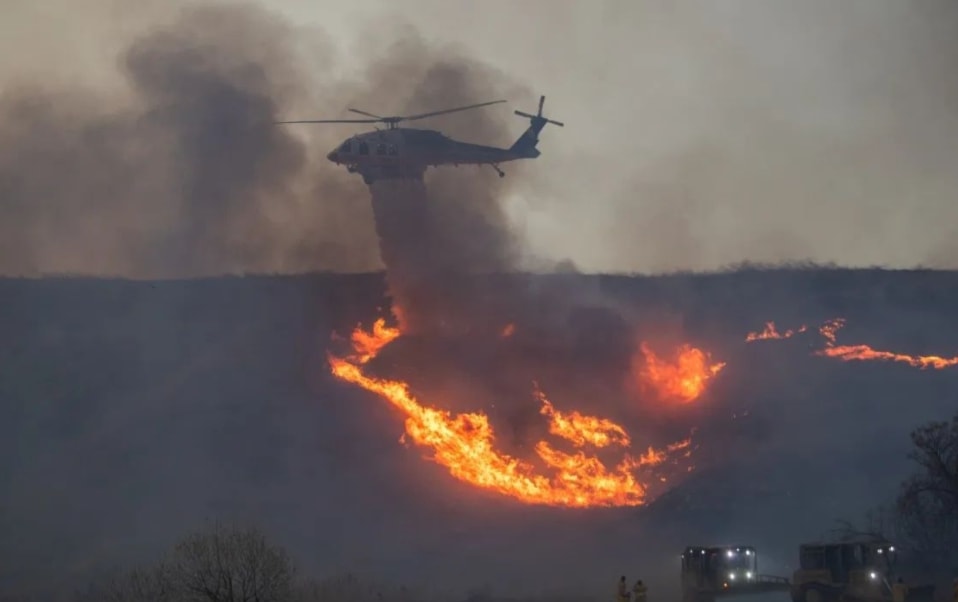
<point>698,134</point>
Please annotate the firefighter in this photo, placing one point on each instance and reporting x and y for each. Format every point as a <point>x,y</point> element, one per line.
<point>623,593</point>
<point>899,591</point>
<point>638,592</point>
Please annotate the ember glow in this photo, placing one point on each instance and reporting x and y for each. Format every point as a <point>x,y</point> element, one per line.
<point>465,443</point>
<point>771,333</point>
<point>682,379</point>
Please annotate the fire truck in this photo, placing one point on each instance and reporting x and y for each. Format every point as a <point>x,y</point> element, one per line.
<point>850,571</point>
<point>710,572</point>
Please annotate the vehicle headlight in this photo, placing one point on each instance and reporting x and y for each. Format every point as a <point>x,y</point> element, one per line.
<point>873,575</point>
<point>731,576</point>
<point>748,574</point>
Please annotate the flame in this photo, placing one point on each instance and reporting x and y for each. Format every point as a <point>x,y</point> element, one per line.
<point>771,333</point>
<point>829,330</point>
<point>684,379</point>
<point>580,430</point>
<point>464,443</point>
<point>866,352</point>
<point>508,331</point>
<point>367,345</point>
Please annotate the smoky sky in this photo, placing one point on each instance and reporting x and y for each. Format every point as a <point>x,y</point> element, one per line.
<point>696,136</point>
<point>705,133</point>
<point>184,173</point>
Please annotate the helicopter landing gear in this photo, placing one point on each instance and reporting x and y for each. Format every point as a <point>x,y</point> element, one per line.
<point>501,173</point>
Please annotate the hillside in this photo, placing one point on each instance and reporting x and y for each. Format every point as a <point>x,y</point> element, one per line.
<point>132,411</point>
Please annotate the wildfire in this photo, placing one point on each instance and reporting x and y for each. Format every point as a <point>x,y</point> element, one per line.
<point>865,352</point>
<point>580,430</point>
<point>829,328</point>
<point>829,331</point>
<point>771,333</point>
<point>685,378</point>
<point>464,443</point>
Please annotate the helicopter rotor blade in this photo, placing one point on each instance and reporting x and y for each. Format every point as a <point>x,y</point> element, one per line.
<point>365,113</point>
<point>443,112</point>
<point>332,121</point>
<point>546,119</point>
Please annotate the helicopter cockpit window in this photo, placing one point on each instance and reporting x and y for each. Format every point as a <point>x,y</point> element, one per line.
<point>363,148</point>
<point>347,147</point>
<point>380,149</point>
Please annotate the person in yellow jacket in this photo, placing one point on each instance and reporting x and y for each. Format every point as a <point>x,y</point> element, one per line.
<point>639,592</point>
<point>899,591</point>
<point>622,595</point>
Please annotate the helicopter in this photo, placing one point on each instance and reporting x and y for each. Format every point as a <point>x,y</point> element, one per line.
<point>405,153</point>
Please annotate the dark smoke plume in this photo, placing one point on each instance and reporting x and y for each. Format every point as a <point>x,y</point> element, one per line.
<point>186,177</point>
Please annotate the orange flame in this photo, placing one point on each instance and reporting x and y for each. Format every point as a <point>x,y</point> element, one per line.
<point>464,443</point>
<point>771,333</point>
<point>367,345</point>
<point>684,379</point>
<point>864,352</point>
<point>848,353</point>
<point>580,430</point>
<point>829,328</point>
<point>508,331</point>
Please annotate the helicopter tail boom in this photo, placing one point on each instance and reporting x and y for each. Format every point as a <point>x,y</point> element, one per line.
<point>525,145</point>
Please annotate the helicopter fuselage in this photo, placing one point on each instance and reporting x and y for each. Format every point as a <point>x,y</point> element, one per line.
<point>407,152</point>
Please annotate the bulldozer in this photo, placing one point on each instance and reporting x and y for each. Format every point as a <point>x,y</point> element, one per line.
<point>850,571</point>
<point>710,572</point>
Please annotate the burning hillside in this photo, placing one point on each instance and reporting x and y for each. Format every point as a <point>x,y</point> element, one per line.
<point>216,365</point>
<point>856,352</point>
<point>510,341</point>
<point>465,443</point>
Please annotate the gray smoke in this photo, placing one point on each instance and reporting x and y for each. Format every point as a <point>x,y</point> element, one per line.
<point>438,237</point>
<point>188,175</point>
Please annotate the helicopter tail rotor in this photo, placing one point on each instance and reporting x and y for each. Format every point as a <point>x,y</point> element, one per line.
<point>538,118</point>
<point>525,146</point>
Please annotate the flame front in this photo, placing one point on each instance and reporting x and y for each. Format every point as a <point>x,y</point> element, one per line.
<point>829,331</point>
<point>771,333</point>
<point>581,430</point>
<point>684,379</point>
<point>464,443</point>
<point>865,352</point>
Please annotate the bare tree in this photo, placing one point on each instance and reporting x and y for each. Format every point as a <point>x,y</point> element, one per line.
<point>137,585</point>
<point>349,588</point>
<point>878,525</point>
<point>928,502</point>
<point>229,565</point>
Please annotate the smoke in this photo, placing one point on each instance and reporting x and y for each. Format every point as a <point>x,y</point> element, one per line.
<point>437,238</point>
<point>185,174</point>
<point>188,175</point>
